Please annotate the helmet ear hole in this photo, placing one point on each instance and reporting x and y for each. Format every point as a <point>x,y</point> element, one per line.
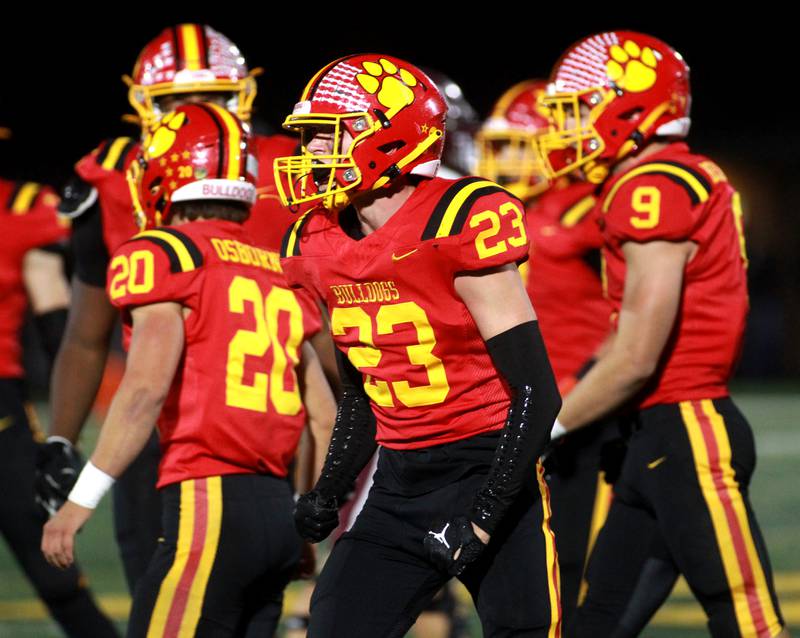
<point>631,114</point>
<point>391,147</point>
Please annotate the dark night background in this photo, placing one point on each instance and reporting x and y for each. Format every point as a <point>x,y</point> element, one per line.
<point>62,95</point>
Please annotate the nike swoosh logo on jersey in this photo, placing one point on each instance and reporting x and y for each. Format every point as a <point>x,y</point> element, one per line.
<point>404,255</point>
<point>654,464</point>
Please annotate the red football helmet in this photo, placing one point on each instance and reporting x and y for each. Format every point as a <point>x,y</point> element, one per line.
<point>190,58</point>
<point>508,152</point>
<point>196,152</point>
<point>609,94</point>
<point>392,111</point>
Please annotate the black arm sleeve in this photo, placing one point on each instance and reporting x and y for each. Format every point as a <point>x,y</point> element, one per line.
<point>353,439</point>
<point>89,253</point>
<point>520,357</point>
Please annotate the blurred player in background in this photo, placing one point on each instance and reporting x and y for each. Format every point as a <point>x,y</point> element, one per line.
<point>459,154</point>
<point>419,274</point>
<point>675,271</point>
<point>218,354</point>
<point>32,275</point>
<point>184,63</point>
<point>562,278</point>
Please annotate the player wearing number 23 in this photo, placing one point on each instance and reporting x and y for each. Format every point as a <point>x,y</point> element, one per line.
<point>437,336</point>
<point>215,354</point>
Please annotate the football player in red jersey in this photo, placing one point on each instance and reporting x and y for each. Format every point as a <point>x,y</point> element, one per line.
<point>440,618</point>
<point>30,273</point>
<point>675,270</point>
<point>183,63</point>
<point>437,336</point>
<point>562,278</point>
<point>218,354</point>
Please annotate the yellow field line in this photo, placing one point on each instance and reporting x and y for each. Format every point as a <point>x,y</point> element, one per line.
<point>116,606</point>
<point>787,583</point>
<point>676,613</point>
<point>692,615</point>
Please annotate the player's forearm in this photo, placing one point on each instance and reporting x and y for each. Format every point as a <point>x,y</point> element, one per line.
<point>352,442</point>
<point>651,298</point>
<point>321,432</point>
<point>520,356</point>
<point>81,360</point>
<point>156,347</point>
<point>131,418</point>
<point>77,373</point>
<point>351,446</point>
<point>320,406</point>
<point>612,381</point>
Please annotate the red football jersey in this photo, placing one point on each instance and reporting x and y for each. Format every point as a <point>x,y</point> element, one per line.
<point>395,313</point>
<point>234,406</point>
<point>28,220</point>
<point>675,195</point>
<point>104,168</point>
<point>563,276</point>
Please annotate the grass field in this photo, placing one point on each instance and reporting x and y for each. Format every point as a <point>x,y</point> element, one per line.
<point>773,412</point>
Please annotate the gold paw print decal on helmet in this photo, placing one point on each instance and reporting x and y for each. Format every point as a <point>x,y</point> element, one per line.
<point>632,67</point>
<point>390,84</point>
<point>161,138</point>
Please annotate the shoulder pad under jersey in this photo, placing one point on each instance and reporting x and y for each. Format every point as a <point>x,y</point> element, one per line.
<point>77,197</point>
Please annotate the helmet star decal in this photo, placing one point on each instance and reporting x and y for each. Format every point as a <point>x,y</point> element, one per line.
<point>381,79</point>
<point>160,140</point>
<point>632,67</point>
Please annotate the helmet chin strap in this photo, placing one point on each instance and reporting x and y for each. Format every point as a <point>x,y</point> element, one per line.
<point>595,172</point>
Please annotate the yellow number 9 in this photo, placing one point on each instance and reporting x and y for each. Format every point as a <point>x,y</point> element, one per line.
<point>646,200</point>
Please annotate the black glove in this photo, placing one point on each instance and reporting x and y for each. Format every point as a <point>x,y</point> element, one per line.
<point>58,464</point>
<point>453,545</point>
<point>315,516</point>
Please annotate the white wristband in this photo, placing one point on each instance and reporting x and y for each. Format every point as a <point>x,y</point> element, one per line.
<point>59,439</point>
<point>557,431</point>
<point>91,486</point>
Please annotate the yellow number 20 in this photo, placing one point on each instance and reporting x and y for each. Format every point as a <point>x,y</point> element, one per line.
<point>255,343</point>
<point>132,274</point>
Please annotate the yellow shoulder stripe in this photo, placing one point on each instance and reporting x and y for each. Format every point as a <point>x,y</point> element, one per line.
<point>578,211</point>
<point>449,217</point>
<point>290,243</point>
<point>25,197</point>
<point>686,178</point>
<point>114,152</point>
<point>181,251</point>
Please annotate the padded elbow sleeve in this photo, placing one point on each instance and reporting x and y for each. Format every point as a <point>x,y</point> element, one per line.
<point>353,438</point>
<point>519,355</point>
